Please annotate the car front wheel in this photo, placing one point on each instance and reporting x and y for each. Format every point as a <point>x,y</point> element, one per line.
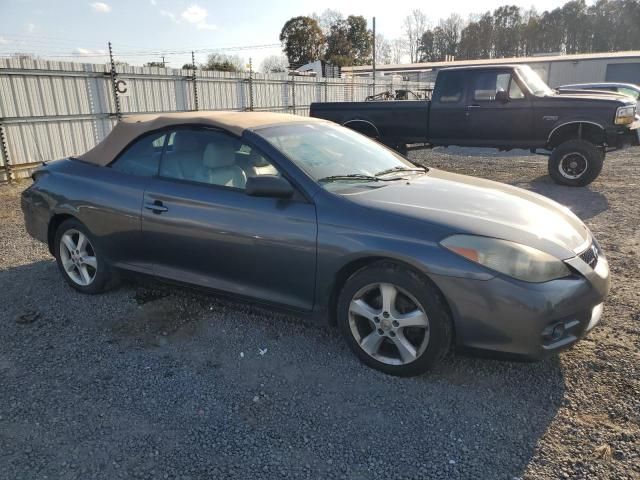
<point>80,260</point>
<point>394,320</point>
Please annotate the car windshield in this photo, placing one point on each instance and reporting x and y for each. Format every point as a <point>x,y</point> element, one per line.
<point>534,82</point>
<point>335,156</point>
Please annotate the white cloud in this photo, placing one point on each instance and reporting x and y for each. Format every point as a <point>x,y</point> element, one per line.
<point>86,52</point>
<point>169,15</point>
<point>100,7</point>
<point>3,41</point>
<point>30,27</point>
<point>197,16</point>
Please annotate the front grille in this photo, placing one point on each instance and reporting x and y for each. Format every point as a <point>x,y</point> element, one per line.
<point>590,256</point>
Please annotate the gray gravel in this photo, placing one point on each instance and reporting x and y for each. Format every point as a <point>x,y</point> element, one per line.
<point>151,381</point>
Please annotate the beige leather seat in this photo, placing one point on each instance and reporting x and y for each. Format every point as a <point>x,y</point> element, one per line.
<point>185,158</point>
<point>258,165</point>
<point>219,166</point>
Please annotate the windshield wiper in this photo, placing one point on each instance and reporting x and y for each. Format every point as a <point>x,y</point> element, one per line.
<point>357,176</point>
<point>401,169</point>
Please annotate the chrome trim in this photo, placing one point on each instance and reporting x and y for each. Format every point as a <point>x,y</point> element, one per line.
<point>570,123</point>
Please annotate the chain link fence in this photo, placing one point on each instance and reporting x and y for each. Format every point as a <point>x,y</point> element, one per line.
<point>51,109</point>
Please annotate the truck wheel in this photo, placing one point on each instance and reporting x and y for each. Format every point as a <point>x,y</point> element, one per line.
<point>575,163</point>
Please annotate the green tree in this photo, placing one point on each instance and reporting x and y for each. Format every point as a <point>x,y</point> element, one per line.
<point>302,40</point>
<point>507,27</point>
<point>360,38</point>
<point>223,63</point>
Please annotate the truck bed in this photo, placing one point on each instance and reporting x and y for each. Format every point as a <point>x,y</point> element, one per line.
<point>396,121</point>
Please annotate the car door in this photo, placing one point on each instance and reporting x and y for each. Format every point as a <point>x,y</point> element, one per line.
<point>199,226</point>
<point>494,122</point>
<point>117,193</point>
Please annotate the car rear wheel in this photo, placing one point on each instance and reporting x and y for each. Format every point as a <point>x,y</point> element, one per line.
<point>575,163</point>
<point>80,260</point>
<point>394,320</point>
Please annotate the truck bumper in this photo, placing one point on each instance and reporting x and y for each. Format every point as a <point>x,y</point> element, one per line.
<point>624,136</point>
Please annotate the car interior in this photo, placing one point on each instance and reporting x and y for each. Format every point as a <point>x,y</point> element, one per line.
<point>196,155</point>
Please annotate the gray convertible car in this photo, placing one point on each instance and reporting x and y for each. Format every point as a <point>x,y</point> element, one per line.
<point>302,213</point>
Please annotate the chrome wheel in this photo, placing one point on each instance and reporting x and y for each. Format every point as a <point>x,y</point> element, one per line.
<point>573,165</point>
<point>78,257</point>
<point>389,324</point>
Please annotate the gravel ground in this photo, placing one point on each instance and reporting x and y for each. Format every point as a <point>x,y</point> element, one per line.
<point>151,381</point>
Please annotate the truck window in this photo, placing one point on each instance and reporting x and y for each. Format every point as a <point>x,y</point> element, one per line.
<point>488,83</point>
<point>452,90</point>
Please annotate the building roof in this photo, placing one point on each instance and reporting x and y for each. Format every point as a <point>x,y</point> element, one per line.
<point>492,61</point>
<point>132,127</point>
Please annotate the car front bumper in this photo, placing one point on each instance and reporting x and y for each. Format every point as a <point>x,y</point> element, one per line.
<point>524,319</point>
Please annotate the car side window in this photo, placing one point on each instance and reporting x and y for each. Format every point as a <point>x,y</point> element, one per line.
<point>142,157</point>
<point>212,157</point>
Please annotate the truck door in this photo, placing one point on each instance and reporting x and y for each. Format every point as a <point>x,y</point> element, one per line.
<point>499,112</point>
<point>448,123</point>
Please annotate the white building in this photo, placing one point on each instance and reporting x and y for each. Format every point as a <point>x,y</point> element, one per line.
<point>556,70</point>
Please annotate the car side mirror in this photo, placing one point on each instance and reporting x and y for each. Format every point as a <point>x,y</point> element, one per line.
<point>268,186</point>
<point>502,96</point>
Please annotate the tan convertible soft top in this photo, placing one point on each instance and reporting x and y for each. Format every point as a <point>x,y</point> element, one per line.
<point>130,128</point>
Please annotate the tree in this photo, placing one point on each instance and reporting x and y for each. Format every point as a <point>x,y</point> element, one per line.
<point>275,64</point>
<point>451,29</point>
<point>302,40</point>
<point>189,66</point>
<point>414,26</point>
<point>154,64</point>
<point>398,50</point>
<point>383,50</point>
<point>223,63</point>
<point>360,38</point>
<point>327,19</point>
<point>349,42</point>
<point>426,51</point>
<point>507,26</point>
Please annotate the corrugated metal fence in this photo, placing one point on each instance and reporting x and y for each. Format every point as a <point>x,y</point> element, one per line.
<point>50,109</point>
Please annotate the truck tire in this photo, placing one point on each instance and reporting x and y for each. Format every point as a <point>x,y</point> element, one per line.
<point>575,163</point>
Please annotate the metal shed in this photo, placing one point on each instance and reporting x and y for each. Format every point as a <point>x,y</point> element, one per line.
<point>556,70</point>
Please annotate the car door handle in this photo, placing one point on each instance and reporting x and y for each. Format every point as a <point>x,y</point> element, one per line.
<point>156,207</point>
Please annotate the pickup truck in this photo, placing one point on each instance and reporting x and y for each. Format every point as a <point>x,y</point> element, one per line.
<point>503,107</point>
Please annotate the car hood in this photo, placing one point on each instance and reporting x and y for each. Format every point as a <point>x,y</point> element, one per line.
<point>476,206</point>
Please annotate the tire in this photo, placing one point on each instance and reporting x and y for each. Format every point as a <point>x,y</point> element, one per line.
<point>366,327</point>
<point>575,163</point>
<point>86,259</point>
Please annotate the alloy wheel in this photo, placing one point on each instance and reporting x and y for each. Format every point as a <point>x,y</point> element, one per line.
<point>389,324</point>
<point>78,257</point>
<point>573,165</point>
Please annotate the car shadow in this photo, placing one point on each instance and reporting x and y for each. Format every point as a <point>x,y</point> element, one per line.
<point>282,377</point>
<point>583,201</point>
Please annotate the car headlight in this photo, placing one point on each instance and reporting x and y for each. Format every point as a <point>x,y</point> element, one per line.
<point>513,259</point>
<point>625,115</point>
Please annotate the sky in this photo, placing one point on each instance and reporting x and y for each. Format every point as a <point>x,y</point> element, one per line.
<point>145,30</point>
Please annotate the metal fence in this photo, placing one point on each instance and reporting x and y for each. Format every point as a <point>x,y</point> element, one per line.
<point>51,109</point>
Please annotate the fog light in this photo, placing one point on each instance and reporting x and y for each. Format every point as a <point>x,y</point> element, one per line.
<point>558,331</point>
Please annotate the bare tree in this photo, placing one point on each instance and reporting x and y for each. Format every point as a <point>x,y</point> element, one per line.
<point>327,19</point>
<point>274,64</point>
<point>414,26</point>
<point>398,50</point>
<point>383,50</point>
